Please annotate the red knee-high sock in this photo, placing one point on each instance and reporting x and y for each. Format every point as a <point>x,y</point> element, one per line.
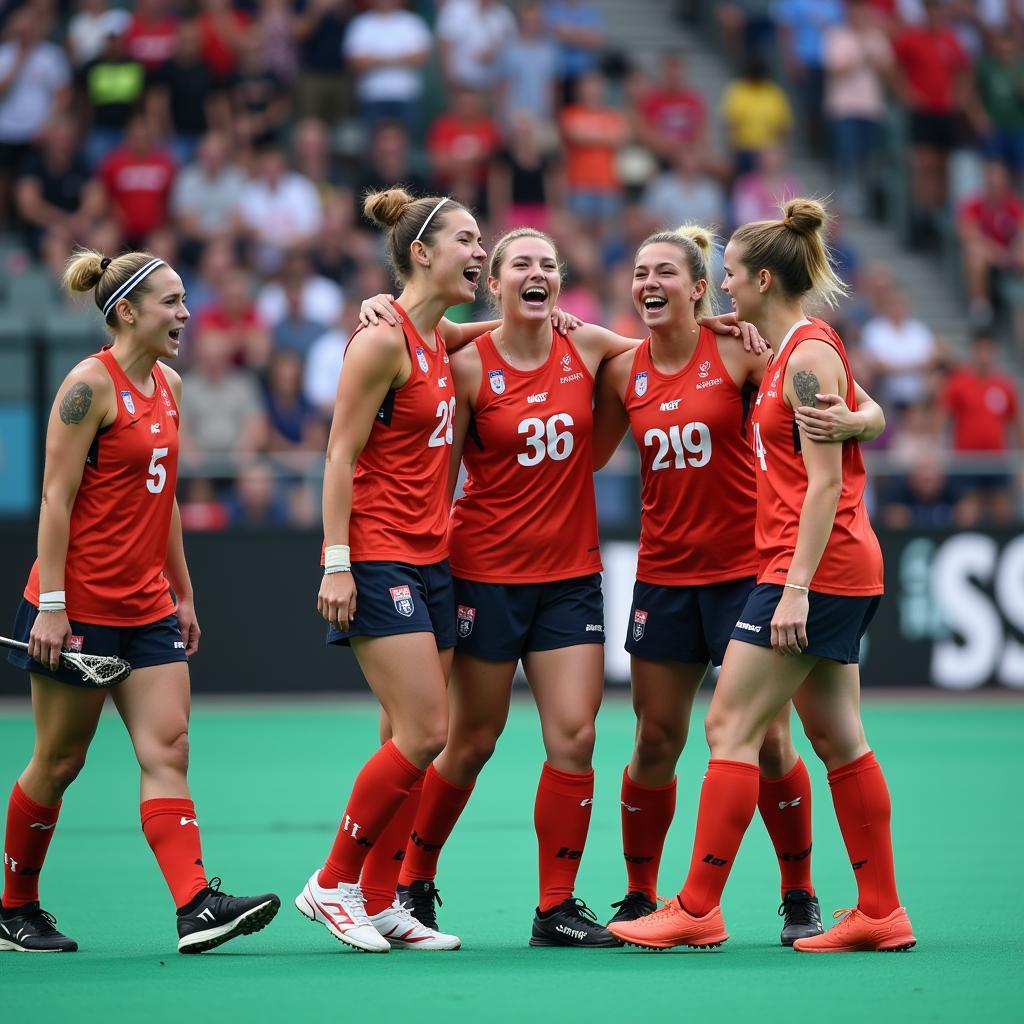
<point>440,807</point>
<point>384,861</point>
<point>785,806</point>
<point>29,831</point>
<point>380,789</point>
<point>646,815</point>
<point>172,831</point>
<point>862,805</point>
<point>561,817</point>
<point>728,799</point>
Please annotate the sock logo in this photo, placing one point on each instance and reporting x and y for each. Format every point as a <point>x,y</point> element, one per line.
<point>632,810</point>
<point>189,821</point>
<point>399,855</point>
<point>587,802</point>
<point>783,804</point>
<point>42,826</point>
<point>714,861</point>
<point>352,828</point>
<point>566,854</point>
<point>630,859</point>
<point>423,845</point>
<point>10,862</point>
<point>802,855</point>
<point>858,864</point>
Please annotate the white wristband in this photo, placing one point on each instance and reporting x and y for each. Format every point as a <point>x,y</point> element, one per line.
<point>52,601</point>
<point>330,570</point>
<point>337,557</point>
<point>796,586</point>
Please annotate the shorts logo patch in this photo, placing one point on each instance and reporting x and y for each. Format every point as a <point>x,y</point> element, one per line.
<point>466,618</point>
<point>640,384</point>
<point>421,358</point>
<point>76,643</point>
<point>497,381</point>
<point>402,596</point>
<point>129,402</point>
<point>639,624</point>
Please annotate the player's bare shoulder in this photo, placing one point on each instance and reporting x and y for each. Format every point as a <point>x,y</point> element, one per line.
<point>614,374</point>
<point>173,378</point>
<point>86,394</point>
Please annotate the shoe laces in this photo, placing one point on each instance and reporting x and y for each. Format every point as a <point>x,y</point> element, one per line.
<point>405,916</point>
<point>578,908</point>
<point>44,922</point>
<point>351,898</point>
<point>797,907</point>
<point>419,900</point>
<point>634,901</point>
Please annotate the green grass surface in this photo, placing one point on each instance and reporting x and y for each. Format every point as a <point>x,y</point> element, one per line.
<point>269,783</point>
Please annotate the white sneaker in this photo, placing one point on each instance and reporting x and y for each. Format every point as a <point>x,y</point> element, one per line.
<point>403,931</point>
<point>342,912</point>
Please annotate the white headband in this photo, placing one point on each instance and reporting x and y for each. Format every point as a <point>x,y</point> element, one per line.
<point>137,278</point>
<point>430,217</point>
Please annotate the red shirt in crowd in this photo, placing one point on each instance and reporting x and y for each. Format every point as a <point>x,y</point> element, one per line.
<point>998,221</point>
<point>677,114</point>
<point>469,143</point>
<point>982,407</point>
<point>592,139</point>
<point>151,42</point>
<point>217,51</point>
<point>931,62</point>
<point>138,185</point>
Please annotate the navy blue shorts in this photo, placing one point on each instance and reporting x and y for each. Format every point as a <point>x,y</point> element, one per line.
<point>835,624</point>
<point>394,598</point>
<point>504,621</point>
<point>158,643</point>
<point>688,624</point>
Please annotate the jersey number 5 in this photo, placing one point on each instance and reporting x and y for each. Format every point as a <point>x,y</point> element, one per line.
<point>157,474</point>
<point>442,434</point>
<point>546,437</point>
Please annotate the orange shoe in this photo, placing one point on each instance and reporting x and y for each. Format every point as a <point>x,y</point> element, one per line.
<point>673,926</point>
<point>858,933</point>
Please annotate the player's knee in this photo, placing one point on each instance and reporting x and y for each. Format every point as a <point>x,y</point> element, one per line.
<point>574,745</point>
<point>474,751</point>
<point>60,767</point>
<point>776,755</point>
<point>716,726</point>
<point>836,747</point>
<point>170,754</point>
<point>658,743</point>
<point>429,742</point>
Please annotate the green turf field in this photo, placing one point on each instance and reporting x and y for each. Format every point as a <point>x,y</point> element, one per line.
<point>269,782</point>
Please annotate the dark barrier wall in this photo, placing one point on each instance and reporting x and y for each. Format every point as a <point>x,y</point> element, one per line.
<point>953,615</point>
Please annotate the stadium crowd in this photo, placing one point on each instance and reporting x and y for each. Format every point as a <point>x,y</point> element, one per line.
<point>236,140</point>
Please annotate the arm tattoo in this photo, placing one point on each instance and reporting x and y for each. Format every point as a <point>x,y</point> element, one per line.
<point>75,404</point>
<point>806,386</point>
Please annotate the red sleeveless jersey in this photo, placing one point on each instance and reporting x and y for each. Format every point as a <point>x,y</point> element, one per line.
<point>852,563</point>
<point>698,493</point>
<point>528,514</point>
<point>121,518</point>
<point>400,486</point>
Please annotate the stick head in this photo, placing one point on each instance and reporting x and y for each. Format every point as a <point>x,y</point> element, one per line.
<point>96,669</point>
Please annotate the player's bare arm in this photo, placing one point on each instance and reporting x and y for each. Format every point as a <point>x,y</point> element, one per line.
<point>610,418</point>
<point>836,422</point>
<point>596,344</point>
<point>467,372</point>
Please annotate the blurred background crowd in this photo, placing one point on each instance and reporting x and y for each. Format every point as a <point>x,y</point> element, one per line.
<point>237,139</point>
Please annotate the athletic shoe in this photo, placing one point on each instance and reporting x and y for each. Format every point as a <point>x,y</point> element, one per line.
<point>419,898</point>
<point>218,917</point>
<point>802,916</point>
<point>672,926</point>
<point>632,906</point>
<point>342,911</point>
<point>403,931</point>
<point>858,933</point>
<point>30,929</point>
<point>571,923</point>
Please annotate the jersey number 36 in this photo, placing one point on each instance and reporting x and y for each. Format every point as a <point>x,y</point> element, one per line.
<point>545,437</point>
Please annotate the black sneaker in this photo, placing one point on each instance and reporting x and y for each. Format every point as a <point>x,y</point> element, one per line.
<point>632,906</point>
<point>214,917</point>
<point>419,898</point>
<point>571,923</point>
<point>30,929</point>
<point>801,914</point>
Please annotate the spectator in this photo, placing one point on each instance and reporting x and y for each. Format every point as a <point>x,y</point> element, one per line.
<point>584,284</point>
<point>460,145</point>
<point>89,27</point>
<point>295,429</point>
<point>527,71</point>
<point>757,114</point>
<point>185,98</point>
<point>55,188</point>
<point>985,419</point>
<point>524,179</point>
<point>997,110</point>
<point>260,99</point>
<point>274,29</point>
<point>991,241</point>
<point>685,194</point>
<point>111,85</point>
<point>324,359</point>
<point>902,349</point>
<point>472,35</point>
<point>758,194</point>
<point>204,200</point>
<point>324,88</point>
<point>672,115</point>
<point>295,332</point>
<point>222,421</point>
<point>312,157</point>
<point>342,246</point>
<point>34,77</point>
<point>925,497</point>
<point>933,79</point>
<point>234,316</point>
<point>280,208</point>
<point>579,29</point>
<point>138,177</point>
<point>858,62</point>
<point>322,299</point>
<point>386,163</point>
<point>747,27</point>
<point>592,133</point>
<point>219,258</point>
<point>222,32</point>
<point>152,33</point>
<point>257,499</point>
<point>201,509</point>
<point>386,48</point>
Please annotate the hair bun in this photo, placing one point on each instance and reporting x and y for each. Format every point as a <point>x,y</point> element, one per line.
<point>385,208</point>
<point>804,216</point>
<point>700,236</point>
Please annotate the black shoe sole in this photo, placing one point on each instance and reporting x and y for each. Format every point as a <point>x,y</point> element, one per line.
<point>251,921</point>
<point>665,949</point>
<point>537,943</point>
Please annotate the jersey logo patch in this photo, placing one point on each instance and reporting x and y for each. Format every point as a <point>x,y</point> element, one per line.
<point>704,368</point>
<point>639,624</point>
<point>76,643</point>
<point>402,596</point>
<point>640,384</point>
<point>566,363</point>
<point>497,381</point>
<point>166,397</point>
<point>421,358</point>
<point>129,402</point>
<point>465,621</point>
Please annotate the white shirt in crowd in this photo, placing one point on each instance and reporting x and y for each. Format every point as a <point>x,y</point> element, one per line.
<point>322,302</point>
<point>25,107</point>
<point>282,214</point>
<point>909,344</point>
<point>475,34</point>
<point>384,34</point>
<point>323,367</point>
